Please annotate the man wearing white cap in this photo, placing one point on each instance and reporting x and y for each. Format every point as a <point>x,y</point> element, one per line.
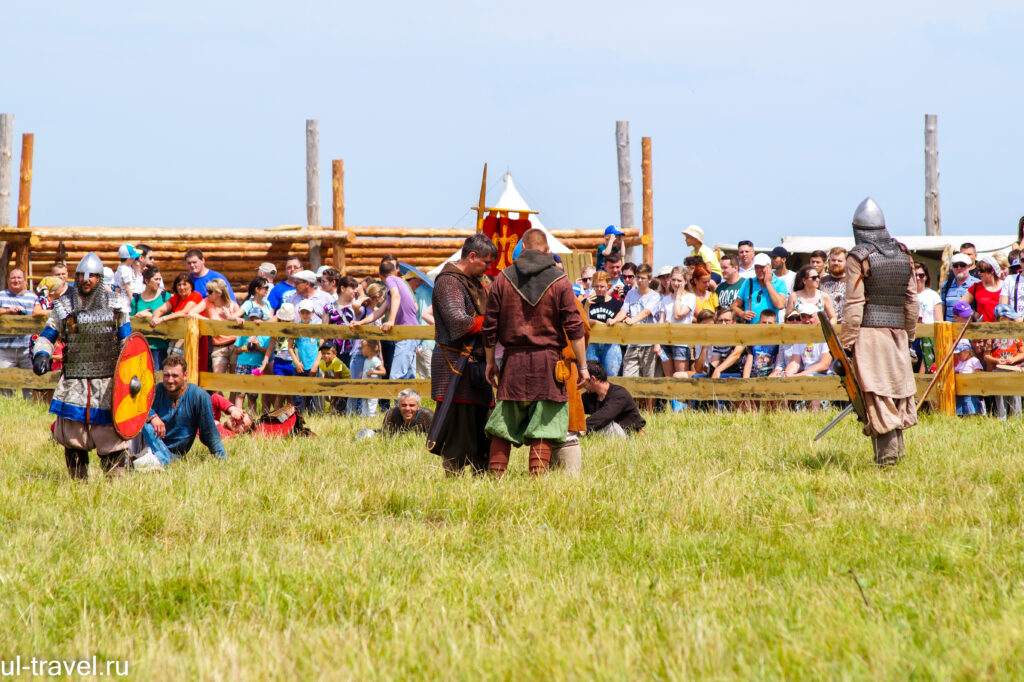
<point>694,236</point>
<point>764,291</point>
<point>128,277</point>
<point>305,290</point>
<point>957,285</point>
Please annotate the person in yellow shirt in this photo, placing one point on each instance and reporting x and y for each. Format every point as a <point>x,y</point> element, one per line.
<point>694,236</point>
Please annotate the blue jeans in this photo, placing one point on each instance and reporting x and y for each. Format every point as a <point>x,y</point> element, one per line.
<point>403,365</point>
<point>352,405</point>
<point>159,355</point>
<point>156,445</point>
<point>967,405</point>
<point>609,355</point>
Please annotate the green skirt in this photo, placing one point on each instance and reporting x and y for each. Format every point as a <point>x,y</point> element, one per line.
<point>520,422</point>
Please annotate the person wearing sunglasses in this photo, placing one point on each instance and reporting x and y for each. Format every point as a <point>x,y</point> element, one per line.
<point>930,304</point>
<point>879,324</point>
<point>957,285</point>
<point>806,290</point>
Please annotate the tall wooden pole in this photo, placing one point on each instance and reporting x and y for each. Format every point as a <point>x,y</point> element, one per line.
<point>648,214</point>
<point>6,161</point>
<point>932,218</point>
<point>945,380</point>
<point>625,180</point>
<point>25,188</point>
<point>483,199</point>
<point>6,166</point>
<point>191,350</point>
<point>313,187</point>
<point>338,210</point>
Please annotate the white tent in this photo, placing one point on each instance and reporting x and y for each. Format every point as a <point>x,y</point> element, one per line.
<point>512,200</point>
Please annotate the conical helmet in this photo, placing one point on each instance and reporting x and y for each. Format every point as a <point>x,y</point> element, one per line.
<point>90,265</point>
<point>868,215</point>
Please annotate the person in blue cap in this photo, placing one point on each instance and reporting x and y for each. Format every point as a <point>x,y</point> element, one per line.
<point>613,243</point>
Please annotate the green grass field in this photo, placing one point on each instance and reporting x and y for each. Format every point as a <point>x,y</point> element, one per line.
<point>718,546</point>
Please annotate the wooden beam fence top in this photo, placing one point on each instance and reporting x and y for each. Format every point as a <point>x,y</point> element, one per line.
<point>195,234</point>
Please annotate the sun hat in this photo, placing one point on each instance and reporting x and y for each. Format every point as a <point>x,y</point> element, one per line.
<point>696,232</point>
<point>612,230</point>
<point>127,251</point>
<point>286,313</point>
<point>305,276</point>
<point>268,268</point>
<point>992,263</point>
<point>806,308</point>
<point>306,305</point>
<point>960,258</point>
<point>1003,310</point>
<point>963,309</point>
<point>665,270</point>
<point>795,312</point>
<point>321,270</point>
<point>962,346</point>
<point>762,259</point>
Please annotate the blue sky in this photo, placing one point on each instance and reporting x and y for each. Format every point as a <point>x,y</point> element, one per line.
<point>766,120</point>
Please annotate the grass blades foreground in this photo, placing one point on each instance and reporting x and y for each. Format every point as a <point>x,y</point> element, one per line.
<point>725,546</point>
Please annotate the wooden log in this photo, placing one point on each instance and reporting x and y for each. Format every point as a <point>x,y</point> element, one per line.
<point>648,201</point>
<point>159,234</point>
<point>316,331</point>
<point>25,186</point>
<point>313,186</point>
<point>338,211</point>
<point>18,325</point>
<point>768,388</point>
<point>945,386</point>
<point>192,349</point>
<point>932,218</point>
<point>355,388</point>
<point>625,179</point>
<point>990,383</point>
<point>26,378</point>
<point>6,167</point>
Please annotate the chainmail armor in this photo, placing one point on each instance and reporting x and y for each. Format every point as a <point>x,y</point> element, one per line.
<point>889,271</point>
<point>90,331</point>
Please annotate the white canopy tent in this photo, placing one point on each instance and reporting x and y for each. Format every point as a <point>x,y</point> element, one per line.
<point>512,200</point>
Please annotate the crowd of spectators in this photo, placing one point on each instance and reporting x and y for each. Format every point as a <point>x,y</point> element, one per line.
<point>744,287</point>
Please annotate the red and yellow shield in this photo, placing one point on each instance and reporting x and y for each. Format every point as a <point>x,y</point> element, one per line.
<point>134,386</point>
<point>505,232</point>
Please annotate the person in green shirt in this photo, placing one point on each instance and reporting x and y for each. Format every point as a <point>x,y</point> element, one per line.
<point>731,283</point>
<point>143,304</point>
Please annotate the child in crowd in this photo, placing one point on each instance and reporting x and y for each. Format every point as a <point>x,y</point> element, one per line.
<point>967,363</point>
<point>373,368</point>
<point>128,277</point>
<point>254,353</point>
<point>1005,354</point>
<point>367,304</point>
<point>760,360</point>
<point>284,354</point>
<point>332,367</point>
<point>306,354</point>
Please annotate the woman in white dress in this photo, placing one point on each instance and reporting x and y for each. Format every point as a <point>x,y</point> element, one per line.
<point>677,306</point>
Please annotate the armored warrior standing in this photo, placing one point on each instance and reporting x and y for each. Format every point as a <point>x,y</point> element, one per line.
<point>879,323</point>
<point>93,323</point>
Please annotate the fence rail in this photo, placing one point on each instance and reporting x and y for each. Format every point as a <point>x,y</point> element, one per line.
<point>778,388</point>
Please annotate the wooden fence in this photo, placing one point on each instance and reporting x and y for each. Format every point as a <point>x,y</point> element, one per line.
<point>947,387</point>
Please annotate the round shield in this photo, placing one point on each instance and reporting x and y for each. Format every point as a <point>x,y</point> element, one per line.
<point>134,386</point>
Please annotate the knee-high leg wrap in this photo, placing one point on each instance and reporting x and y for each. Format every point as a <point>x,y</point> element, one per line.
<point>887,449</point>
<point>540,456</point>
<point>497,459</point>
<point>77,462</point>
<point>115,465</point>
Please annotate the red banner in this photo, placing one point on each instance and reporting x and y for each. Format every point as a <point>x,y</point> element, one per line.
<point>505,233</point>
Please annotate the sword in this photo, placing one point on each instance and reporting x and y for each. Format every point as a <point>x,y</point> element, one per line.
<point>839,417</point>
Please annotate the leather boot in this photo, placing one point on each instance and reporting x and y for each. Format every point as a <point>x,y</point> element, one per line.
<point>887,451</point>
<point>77,462</point>
<point>115,465</point>
<point>540,456</point>
<point>497,460</point>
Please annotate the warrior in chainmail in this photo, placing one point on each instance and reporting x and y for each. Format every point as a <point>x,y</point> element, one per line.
<point>458,300</point>
<point>93,323</point>
<point>879,323</point>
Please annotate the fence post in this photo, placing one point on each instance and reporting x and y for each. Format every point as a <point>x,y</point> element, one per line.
<point>945,383</point>
<point>338,210</point>
<point>192,349</point>
<point>313,187</point>
<point>647,238</point>
<point>25,186</point>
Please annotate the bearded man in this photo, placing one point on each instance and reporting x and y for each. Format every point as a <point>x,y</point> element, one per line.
<point>833,284</point>
<point>458,301</point>
<point>879,323</point>
<point>531,311</point>
<point>93,323</point>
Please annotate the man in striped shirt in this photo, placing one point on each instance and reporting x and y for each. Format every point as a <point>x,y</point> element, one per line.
<point>16,299</point>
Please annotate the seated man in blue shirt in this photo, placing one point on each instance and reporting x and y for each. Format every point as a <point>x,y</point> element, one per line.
<point>201,275</point>
<point>180,410</point>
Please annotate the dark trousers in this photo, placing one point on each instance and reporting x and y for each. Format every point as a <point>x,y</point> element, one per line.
<point>464,441</point>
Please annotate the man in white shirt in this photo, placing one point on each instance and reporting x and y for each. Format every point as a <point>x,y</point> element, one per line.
<point>1013,286</point>
<point>745,250</point>
<point>641,306</point>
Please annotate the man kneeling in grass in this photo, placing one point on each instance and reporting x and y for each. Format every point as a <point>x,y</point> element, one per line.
<point>611,409</point>
<point>180,409</point>
<point>409,416</point>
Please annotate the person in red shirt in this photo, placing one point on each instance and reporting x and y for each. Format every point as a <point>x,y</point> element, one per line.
<point>984,295</point>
